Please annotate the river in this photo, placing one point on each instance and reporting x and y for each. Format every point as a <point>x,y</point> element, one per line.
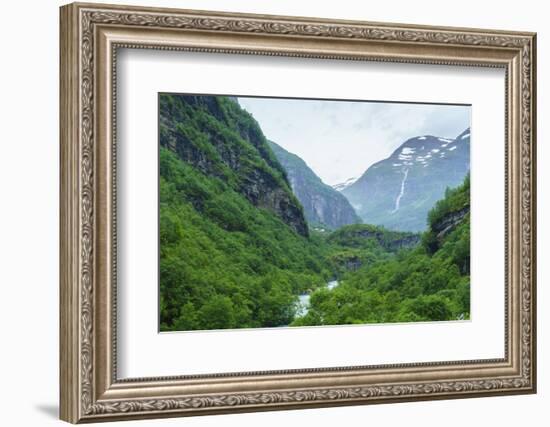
<point>303,300</point>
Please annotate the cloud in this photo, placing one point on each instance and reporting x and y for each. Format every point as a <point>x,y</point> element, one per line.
<point>341,139</point>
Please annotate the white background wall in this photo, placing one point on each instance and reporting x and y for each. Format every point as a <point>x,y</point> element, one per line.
<point>29,170</point>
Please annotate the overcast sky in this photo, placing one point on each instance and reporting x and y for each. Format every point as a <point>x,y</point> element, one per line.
<point>341,139</point>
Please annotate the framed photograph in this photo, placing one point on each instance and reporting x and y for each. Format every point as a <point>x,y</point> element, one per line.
<point>266,212</point>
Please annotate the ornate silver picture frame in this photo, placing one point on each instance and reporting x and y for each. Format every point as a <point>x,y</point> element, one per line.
<point>91,35</point>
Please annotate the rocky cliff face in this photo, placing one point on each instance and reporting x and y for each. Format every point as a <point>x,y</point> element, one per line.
<point>399,191</point>
<point>449,222</point>
<point>323,206</point>
<point>449,226</point>
<point>222,140</point>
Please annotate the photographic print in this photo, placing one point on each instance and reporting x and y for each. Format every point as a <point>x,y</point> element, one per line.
<point>278,212</point>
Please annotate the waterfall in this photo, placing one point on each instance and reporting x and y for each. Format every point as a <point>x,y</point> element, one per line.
<point>398,199</point>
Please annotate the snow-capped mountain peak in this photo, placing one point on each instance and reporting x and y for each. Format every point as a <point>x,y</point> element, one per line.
<point>398,192</point>
<point>422,150</point>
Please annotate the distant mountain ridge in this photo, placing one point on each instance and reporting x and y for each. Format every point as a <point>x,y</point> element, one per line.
<point>323,205</point>
<point>399,191</point>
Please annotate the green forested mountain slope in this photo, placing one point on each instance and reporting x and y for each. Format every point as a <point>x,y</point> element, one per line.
<point>218,138</point>
<point>235,249</point>
<point>323,205</point>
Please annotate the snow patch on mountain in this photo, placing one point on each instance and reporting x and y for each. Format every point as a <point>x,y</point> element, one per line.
<point>343,185</point>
